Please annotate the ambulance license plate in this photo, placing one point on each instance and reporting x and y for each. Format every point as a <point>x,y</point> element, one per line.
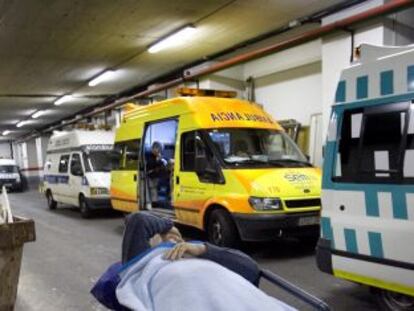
<point>308,221</point>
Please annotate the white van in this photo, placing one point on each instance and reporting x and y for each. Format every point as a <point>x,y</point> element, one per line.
<point>77,169</point>
<point>368,177</point>
<point>10,175</point>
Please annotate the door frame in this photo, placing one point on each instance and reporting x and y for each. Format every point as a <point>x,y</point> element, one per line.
<point>141,174</point>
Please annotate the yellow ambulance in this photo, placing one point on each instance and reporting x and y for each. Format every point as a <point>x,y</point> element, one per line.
<point>217,163</point>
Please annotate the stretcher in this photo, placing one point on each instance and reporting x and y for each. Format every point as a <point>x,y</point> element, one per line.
<point>294,290</point>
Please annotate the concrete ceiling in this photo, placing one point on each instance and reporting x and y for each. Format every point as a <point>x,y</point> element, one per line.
<point>49,48</point>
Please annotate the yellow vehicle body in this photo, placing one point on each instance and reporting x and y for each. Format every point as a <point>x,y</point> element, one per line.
<point>194,200</point>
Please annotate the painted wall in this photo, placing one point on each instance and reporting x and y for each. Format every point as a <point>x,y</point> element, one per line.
<point>337,49</point>
<point>292,94</point>
<point>399,29</point>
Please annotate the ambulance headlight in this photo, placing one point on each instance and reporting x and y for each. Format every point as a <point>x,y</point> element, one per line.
<point>99,191</point>
<point>265,204</point>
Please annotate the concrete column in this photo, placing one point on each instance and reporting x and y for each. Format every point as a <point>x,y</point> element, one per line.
<point>39,154</point>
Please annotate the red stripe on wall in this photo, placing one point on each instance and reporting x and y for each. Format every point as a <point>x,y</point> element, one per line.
<point>31,169</point>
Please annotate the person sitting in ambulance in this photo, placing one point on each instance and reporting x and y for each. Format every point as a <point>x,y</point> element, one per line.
<point>156,168</point>
<point>162,272</point>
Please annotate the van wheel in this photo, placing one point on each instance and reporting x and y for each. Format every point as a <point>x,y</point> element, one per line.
<point>221,229</point>
<point>51,203</point>
<point>84,208</point>
<point>392,301</point>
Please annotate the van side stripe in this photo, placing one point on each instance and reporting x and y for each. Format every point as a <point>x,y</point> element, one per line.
<point>410,78</point>
<point>362,87</point>
<point>374,282</point>
<point>375,244</point>
<point>399,205</point>
<point>371,203</point>
<point>56,179</point>
<point>387,82</point>
<point>340,92</point>
<point>327,232</point>
<point>351,240</point>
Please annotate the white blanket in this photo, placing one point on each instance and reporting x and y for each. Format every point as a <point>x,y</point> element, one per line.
<point>189,284</point>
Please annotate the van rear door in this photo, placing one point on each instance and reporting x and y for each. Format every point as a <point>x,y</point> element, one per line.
<point>373,176</point>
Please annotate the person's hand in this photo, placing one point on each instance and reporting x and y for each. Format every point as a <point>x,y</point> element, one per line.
<point>183,248</point>
<point>173,235</point>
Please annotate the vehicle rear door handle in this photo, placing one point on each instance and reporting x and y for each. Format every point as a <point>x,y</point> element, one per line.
<point>177,180</point>
<point>135,177</point>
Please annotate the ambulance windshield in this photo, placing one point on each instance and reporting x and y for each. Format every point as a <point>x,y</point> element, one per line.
<point>8,169</point>
<point>99,161</point>
<point>247,147</point>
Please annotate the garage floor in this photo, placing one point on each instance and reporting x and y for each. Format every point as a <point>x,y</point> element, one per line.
<point>70,253</point>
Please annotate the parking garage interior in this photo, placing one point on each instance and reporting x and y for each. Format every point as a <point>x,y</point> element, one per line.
<point>86,65</point>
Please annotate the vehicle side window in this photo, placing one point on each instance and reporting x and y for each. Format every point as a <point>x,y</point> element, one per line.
<point>188,152</point>
<point>128,152</point>
<point>196,156</point>
<point>373,144</point>
<point>64,163</point>
<point>76,165</point>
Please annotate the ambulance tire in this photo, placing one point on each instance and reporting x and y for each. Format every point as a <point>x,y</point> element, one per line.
<point>221,230</point>
<point>84,208</point>
<point>391,301</point>
<point>51,203</point>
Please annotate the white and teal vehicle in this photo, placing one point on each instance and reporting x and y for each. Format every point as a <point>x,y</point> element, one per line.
<point>367,221</point>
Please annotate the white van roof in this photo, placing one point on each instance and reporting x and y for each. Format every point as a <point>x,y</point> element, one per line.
<point>379,72</point>
<point>77,139</point>
<point>7,162</point>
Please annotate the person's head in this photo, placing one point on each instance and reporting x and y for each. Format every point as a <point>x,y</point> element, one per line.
<point>173,235</point>
<point>156,148</point>
<point>241,148</point>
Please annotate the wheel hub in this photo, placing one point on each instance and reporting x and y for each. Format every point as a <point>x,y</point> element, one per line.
<point>217,232</point>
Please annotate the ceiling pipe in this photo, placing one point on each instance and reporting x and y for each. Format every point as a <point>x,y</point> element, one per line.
<point>379,11</point>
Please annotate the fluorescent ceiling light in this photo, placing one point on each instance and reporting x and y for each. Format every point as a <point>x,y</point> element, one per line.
<point>5,133</point>
<point>105,76</point>
<point>63,99</point>
<point>174,39</point>
<point>22,123</point>
<point>38,114</point>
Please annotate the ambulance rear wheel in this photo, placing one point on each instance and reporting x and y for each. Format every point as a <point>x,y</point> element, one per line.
<point>392,301</point>
<point>84,208</point>
<point>221,229</point>
<point>51,203</point>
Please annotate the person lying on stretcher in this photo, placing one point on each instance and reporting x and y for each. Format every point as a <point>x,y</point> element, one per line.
<point>162,272</point>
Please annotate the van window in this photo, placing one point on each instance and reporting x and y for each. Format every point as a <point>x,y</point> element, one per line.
<point>188,152</point>
<point>132,154</point>
<point>196,155</point>
<point>127,155</point>
<point>8,169</point>
<point>64,163</point>
<point>246,148</point>
<point>76,165</point>
<point>373,143</point>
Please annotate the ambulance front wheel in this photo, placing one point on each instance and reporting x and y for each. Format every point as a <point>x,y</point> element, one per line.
<point>84,207</point>
<point>51,203</point>
<point>392,301</point>
<point>221,229</point>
